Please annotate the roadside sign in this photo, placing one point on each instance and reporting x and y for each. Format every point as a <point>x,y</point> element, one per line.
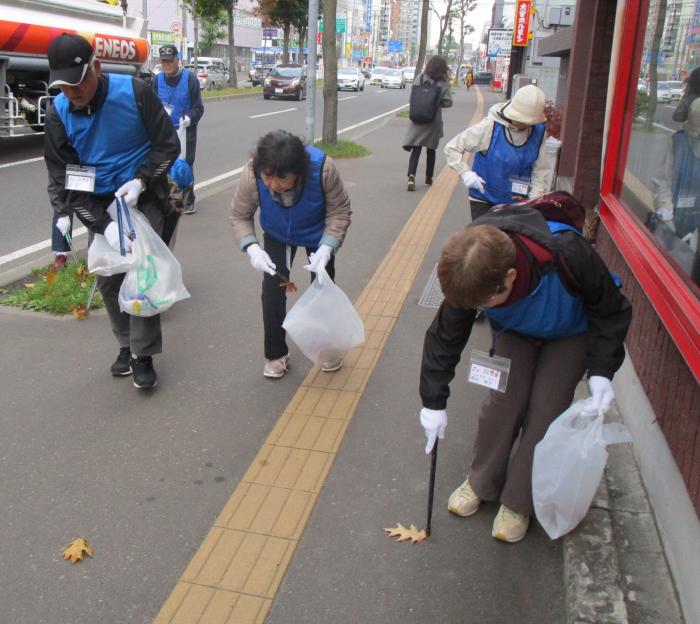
<point>499,42</point>
<point>176,27</point>
<point>521,29</point>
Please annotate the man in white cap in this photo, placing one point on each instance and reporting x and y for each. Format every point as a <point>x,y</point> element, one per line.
<point>178,88</point>
<point>510,162</point>
<point>109,135</point>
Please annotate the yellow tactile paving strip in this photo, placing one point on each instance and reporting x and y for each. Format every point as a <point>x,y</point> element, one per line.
<point>233,577</point>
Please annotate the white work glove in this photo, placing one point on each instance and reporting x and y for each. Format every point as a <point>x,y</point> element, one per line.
<point>260,260</point>
<point>112,236</point>
<point>602,395</point>
<point>63,225</point>
<point>434,422</point>
<point>130,191</point>
<point>472,180</point>
<point>318,260</point>
<point>185,122</point>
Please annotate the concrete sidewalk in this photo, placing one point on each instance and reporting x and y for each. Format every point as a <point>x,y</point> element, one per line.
<point>314,466</point>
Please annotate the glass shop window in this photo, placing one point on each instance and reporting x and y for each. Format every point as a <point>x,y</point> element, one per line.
<point>661,182</point>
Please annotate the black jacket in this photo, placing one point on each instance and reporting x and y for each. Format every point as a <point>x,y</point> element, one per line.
<point>581,268</point>
<point>58,152</point>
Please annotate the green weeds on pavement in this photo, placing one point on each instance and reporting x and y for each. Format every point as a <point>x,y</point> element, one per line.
<point>402,113</point>
<point>61,292</point>
<point>343,149</point>
<point>231,91</point>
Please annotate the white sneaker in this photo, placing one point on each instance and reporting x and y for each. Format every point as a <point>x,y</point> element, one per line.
<point>332,365</point>
<point>274,369</point>
<point>463,501</point>
<point>509,526</point>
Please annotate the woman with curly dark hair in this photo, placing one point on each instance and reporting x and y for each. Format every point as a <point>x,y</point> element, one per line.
<point>428,135</point>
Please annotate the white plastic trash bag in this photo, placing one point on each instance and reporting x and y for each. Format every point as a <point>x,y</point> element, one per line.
<point>103,260</point>
<point>567,467</point>
<point>154,283</point>
<point>323,322</point>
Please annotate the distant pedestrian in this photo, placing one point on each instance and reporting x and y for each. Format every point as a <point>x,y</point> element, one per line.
<point>107,135</point>
<point>470,79</point>
<point>428,135</point>
<point>692,91</point>
<point>178,88</point>
<point>510,162</point>
<point>303,203</point>
<point>555,314</point>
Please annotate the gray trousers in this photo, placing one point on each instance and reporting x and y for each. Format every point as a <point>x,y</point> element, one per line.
<point>140,334</point>
<point>541,384</point>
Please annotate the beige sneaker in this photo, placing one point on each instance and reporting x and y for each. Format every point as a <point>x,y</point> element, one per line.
<point>274,369</point>
<point>332,365</point>
<point>509,526</point>
<point>463,501</point>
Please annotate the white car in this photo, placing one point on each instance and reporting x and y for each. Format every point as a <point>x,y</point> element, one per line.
<point>393,79</point>
<point>210,75</point>
<point>377,74</point>
<point>409,73</point>
<point>677,88</point>
<point>663,92</point>
<point>350,78</point>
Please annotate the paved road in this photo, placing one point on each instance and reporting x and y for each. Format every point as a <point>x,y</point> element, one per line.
<point>227,134</point>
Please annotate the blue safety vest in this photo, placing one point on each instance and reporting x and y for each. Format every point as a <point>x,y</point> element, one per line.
<point>303,223</point>
<point>502,161</point>
<point>113,139</point>
<point>550,311</point>
<point>177,97</point>
<point>686,185</point>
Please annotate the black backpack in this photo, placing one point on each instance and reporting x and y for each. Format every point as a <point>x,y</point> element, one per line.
<point>425,101</point>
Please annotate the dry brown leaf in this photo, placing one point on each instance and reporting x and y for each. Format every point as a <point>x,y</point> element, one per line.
<point>80,313</point>
<point>51,277</point>
<point>29,285</point>
<point>82,271</point>
<point>83,284</point>
<point>401,533</point>
<point>76,549</point>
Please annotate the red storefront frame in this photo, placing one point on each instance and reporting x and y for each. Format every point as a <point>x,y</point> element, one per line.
<point>677,306</point>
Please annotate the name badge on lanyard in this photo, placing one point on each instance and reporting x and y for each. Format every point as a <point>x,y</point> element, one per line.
<point>519,185</point>
<point>487,371</point>
<point>80,178</point>
<point>686,201</point>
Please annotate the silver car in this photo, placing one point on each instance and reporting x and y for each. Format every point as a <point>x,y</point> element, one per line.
<point>210,75</point>
<point>350,78</point>
<point>393,79</point>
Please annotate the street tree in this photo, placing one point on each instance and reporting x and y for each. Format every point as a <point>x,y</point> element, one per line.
<point>423,44</point>
<point>330,74</point>
<point>462,8</point>
<point>285,14</point>
<point>445,20</point>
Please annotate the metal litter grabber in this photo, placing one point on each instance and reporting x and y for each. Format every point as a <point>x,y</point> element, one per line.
<point>402,533</point>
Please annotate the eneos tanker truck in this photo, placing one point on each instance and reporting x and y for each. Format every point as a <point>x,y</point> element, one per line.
<point>26,29</point>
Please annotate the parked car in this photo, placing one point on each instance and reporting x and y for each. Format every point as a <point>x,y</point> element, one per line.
<point>409,73</point>
<point>393,79</point>
<point>287,80</point>
<point>210,75</point>
<point>377,75</point>
<point>257,74</point>
<point>483,77</point>
<point>350,78</point>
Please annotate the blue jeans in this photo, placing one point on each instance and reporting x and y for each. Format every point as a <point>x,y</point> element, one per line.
<point>58,242</point>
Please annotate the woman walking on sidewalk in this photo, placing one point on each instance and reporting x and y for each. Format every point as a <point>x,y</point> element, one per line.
<point>303,203</point>
<point>428,135</point>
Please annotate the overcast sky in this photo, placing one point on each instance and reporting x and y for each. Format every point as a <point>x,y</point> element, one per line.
<point>477,18</point>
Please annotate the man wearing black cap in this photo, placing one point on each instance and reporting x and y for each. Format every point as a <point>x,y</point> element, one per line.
<point>109,135</point>
<point>178,89</point>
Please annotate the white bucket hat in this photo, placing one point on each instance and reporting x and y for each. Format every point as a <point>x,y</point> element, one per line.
<point>526,106</point>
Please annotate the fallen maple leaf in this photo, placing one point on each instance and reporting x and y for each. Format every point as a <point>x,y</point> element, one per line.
<point>80,313</point>
<point>75,550</point>
<point>51,277</point>
<point>82,271</point>
<point>401,533</point>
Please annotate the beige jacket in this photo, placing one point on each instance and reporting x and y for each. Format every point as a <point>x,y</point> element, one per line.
<point>246,201</point>
<point>477,138</point>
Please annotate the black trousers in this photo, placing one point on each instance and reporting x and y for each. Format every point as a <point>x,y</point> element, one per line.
<point>413,161</point>
<point>274,298</point>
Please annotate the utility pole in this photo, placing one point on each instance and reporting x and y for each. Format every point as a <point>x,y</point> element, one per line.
<point>312,33</point>
<point>183,35</point>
